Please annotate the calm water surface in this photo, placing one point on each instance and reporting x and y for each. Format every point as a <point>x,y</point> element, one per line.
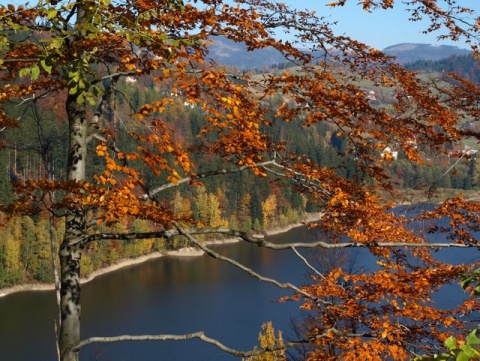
<point>175,296</point>
<point>165,295</point>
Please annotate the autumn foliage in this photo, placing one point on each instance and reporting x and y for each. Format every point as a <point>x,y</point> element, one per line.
<point>122,161</point>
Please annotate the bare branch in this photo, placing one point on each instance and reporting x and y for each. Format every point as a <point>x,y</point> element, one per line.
<point>103,101</point>
<point>131,236</point>
<point>199,335</point>
<point>35,97</point>
<point>152,192</point>
<point>27,60</point>
<point>211,253</point>
<point>115,76</point>
<point>110,144</point>
<point>260,241</point>
<point>307,263</point>
<point>297,177</point>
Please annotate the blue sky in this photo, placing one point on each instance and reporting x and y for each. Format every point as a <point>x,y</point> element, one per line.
<point>381,28</point>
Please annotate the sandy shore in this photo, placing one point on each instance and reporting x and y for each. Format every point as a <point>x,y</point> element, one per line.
<point>111,268</point>
<point>183,252</point>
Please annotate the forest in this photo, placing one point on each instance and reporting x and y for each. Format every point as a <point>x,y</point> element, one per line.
<point>251,204</point>
<point>121,136</point>
<point>463,66</point>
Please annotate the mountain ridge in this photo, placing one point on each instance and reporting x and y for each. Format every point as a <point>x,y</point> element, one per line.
<point>411,52</point>
<point>229,53</point>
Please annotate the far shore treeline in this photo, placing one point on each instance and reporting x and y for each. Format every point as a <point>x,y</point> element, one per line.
<point>251,204</point>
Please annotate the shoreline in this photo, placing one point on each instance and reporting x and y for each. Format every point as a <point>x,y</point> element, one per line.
<point>182,252</point>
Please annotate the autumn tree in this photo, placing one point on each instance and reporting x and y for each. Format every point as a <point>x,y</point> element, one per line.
<point>78,53</point>
<point>268,340</point>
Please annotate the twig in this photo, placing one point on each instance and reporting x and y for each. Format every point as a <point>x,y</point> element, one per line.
<point>294,249</point>
<point>251,272</point>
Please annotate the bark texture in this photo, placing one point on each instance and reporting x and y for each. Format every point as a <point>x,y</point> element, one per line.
<point>75,232</point>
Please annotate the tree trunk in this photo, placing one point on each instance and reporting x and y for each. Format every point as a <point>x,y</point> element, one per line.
<point>70,301</point>
<point>75,230</point>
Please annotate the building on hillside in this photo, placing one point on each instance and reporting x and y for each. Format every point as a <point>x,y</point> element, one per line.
<point>389,153</point>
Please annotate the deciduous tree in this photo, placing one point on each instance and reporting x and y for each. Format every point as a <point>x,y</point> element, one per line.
<point>78,52</point>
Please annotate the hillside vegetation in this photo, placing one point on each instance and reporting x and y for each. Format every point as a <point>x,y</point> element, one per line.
<point>250,204</point>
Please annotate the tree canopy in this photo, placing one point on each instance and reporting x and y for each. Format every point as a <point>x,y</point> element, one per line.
<point>63,71</point>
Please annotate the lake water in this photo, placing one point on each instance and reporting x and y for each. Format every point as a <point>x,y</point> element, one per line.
<point>174,296</point>
<point>165,295</point>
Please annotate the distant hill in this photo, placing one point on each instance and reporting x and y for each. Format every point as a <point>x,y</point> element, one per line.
<point>227,52</point>
<point>465,66</point>
<point>410,52</point>
<point>230,53</point>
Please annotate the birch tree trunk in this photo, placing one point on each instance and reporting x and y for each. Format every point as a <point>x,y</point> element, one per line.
<point>75,230</point>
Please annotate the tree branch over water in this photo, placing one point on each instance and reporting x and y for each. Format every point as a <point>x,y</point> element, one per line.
<point>197,335</point>
<point>201,336</point>
<point>244,268</point>
<point>261,241</point>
